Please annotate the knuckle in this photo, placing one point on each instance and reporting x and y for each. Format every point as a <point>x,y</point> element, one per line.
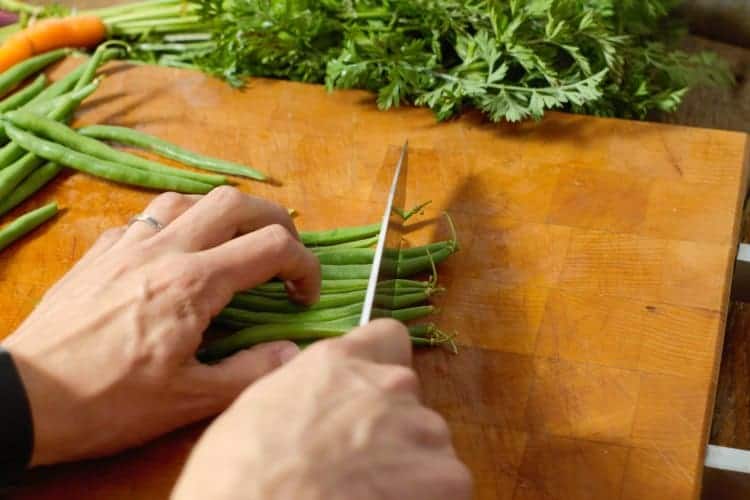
<point>280,213</point>
<point>189,286</point>
<point>390,328</point>
<point>435,424</point>
<point>400,379</point>
<point>228,195</point>
<point>280,238</point>
<point>395,328</point>
<point>169,201</point>
<point>168,206</point>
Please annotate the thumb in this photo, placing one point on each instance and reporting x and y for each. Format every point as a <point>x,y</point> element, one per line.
<point>232,375</point>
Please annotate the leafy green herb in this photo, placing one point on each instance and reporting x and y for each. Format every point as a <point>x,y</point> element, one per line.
<point>512,59</point>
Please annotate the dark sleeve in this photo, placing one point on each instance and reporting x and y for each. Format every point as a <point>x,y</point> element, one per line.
<point>16,425</point>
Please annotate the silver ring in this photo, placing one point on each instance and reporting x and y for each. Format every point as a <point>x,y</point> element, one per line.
<point>148,220</point>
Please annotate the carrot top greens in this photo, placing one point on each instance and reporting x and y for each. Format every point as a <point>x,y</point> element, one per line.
<point>512,59</point>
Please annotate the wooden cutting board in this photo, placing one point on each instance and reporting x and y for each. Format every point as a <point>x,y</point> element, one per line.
<point>589,296</point>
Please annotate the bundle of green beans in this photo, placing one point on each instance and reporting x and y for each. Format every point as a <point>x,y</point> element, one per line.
<point>22,173</point>
<point>265,313</point>
<point>36,142</point>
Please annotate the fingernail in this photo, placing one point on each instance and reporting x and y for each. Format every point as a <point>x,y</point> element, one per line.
<point>288,352</point>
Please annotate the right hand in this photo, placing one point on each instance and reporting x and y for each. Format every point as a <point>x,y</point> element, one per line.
<point>340,421</point>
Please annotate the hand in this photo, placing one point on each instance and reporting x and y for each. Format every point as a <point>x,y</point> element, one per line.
<point>341,421</point>
<point>108,356</point>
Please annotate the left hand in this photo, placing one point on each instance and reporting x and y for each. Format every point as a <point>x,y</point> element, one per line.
<point>108,356</point>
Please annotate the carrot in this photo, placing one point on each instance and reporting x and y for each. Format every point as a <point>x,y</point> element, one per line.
<point>42,36</point>
<point>15,49</point>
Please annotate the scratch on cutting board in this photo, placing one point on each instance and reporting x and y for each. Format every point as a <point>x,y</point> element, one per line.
<point>672,159</point>
<point>74,249</point>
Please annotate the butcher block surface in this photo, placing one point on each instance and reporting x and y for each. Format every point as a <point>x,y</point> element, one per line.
<point>589,295</point>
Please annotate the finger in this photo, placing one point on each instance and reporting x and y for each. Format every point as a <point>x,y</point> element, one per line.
<point>221,215</point>
<point>165,208</point>
<point>255,258</point>
<point>428,429</point>
<point>232,375</point>
<point>383,341</point>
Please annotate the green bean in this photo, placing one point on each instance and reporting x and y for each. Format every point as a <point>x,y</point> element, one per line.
<point>24,95</point>
<point>65,136</point>
<point>30,185</point>
<point>337,286</point>
<point>62,108</point>
<point>402,300</point>
<point>69,81</point>
<point>259,334</point>
<point>101,55</point>
<point>132,137</point>
<point>19,72</point>
<point>363,243</point>
<point>385,298</point>
<point>406,267</point>
<point>67,100</point>
<point>323,292</point>
<point>342,285</point>
<point>302,333</point>
<point>405,284</point>
<point>408,253</point>
<point>249,317</point>
<point>413,265</point>
<point>213,352</point>
<point>408,214</point>
<point>341,272</point>
<point>347,256</point>
<point>12,175</point>
<point>340,235</point>
<point>366,255</point>
<point>239,316</point>
<point>405,314</point>
<point>61,86</point>
<point>26,223</point>
<point>423,330</point>
<point>15,163</point>
<point>102,168</point>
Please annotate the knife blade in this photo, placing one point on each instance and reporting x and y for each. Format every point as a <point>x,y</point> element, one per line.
<point>385,263</point>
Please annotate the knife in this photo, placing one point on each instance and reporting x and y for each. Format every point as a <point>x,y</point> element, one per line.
<point>385,263</point>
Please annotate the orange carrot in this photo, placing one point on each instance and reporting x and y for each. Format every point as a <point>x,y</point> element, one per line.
<point>49,34</point>
<point>15,49</point>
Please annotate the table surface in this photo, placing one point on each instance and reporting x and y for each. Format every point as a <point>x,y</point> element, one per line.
<point>589,296</point>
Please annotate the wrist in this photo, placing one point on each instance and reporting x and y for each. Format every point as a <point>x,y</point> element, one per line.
<point>49,413</point>
<point>16,423</point>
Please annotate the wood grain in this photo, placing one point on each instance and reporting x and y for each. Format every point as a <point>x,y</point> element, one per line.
<point>590,293</point>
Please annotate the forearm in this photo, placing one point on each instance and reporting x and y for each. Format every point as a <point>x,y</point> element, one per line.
<point>16,425</point>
